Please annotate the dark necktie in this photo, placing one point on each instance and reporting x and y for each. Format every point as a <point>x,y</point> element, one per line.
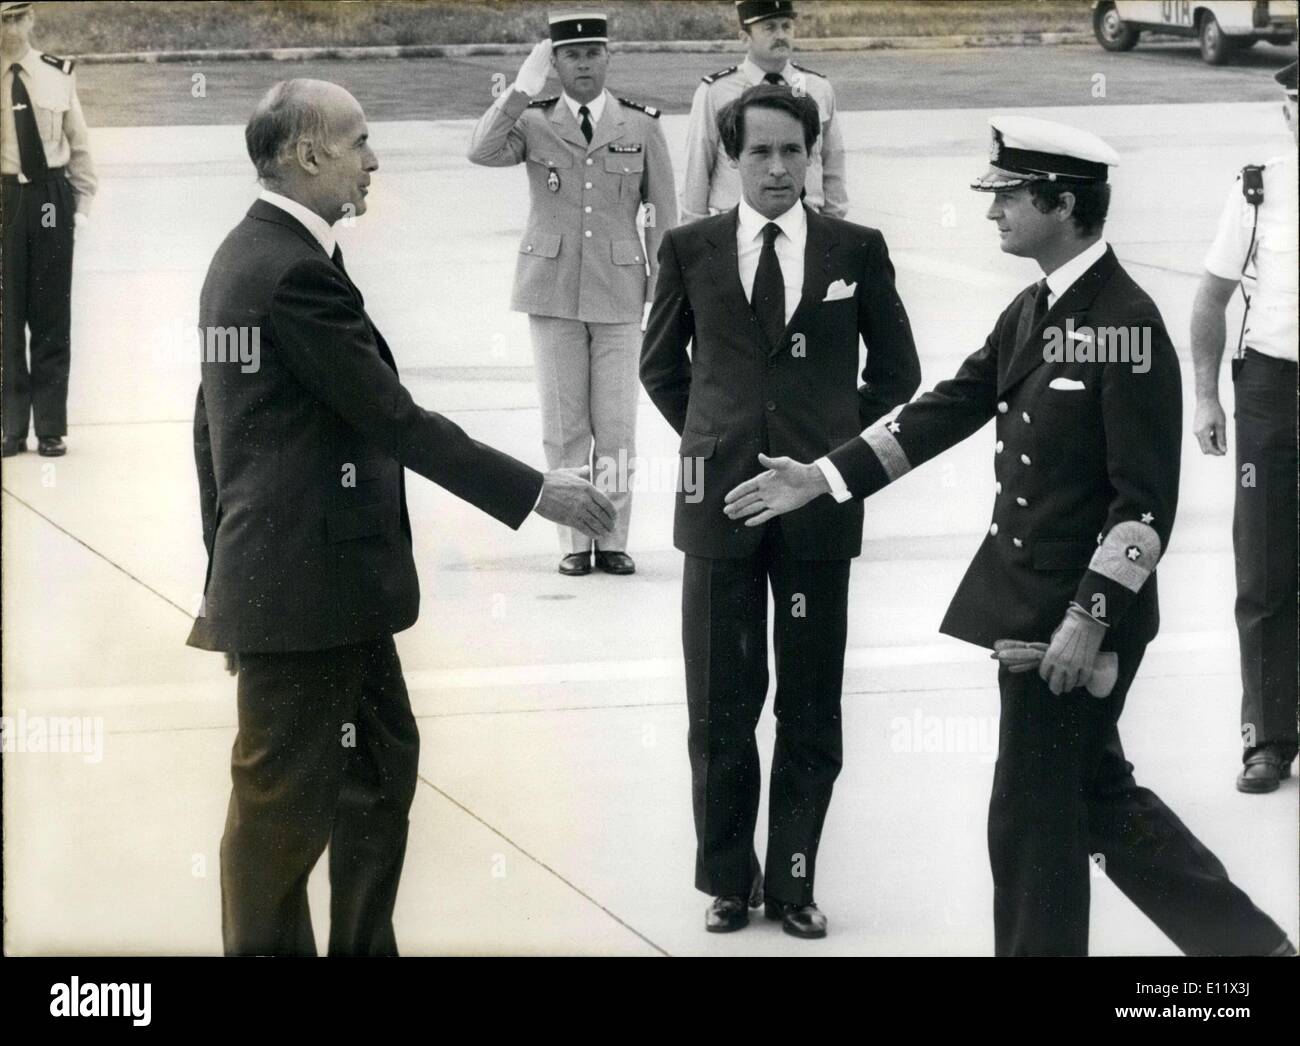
<point>31,153</point>
<point>768,298</point>
<point>774,78</point>
<point>337,258</point>
<point>1033,316</point>
<point>585,113</point>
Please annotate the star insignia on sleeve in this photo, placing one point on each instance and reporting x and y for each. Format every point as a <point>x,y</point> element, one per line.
<point>894,426</point>
<point>1133,552</point>
<point>1147,518</point>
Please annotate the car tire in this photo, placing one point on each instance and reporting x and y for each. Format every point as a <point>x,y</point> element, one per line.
<point>1216,48</point>
<point>1111,31</point>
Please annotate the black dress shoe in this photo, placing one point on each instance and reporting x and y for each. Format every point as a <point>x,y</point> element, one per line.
<point>730,913</point>
<point>575,564</point>
<point>12,446</point>
<point>798,920</point>
<point>1285,950</point>
<point>615,562</point>
<point>51,447</point>
<point>1265,769</point>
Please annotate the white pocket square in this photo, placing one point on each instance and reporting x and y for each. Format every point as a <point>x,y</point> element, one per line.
<point>838,291</point>
<point>1066,384</point>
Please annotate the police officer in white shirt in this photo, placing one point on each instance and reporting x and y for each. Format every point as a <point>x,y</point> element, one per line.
<point>1255,247</point>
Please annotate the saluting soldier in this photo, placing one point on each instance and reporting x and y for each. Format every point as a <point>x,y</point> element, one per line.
<point>583,274</point>
<point>712,183</point>
<point>1256,246</point>
<point>1086,462</point>
<point>48,183</point>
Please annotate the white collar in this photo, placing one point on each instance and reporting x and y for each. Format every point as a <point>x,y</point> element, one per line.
<point>29,61</point>
<point>755,74</point>
<point>596,107</point>
<point>313,222</point>
<point>794,223</point>
<point>1062,279</point>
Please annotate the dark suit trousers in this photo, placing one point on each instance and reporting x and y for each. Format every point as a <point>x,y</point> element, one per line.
<point>1264,546</point>
<point>724,636</point>
<point>1065,806</point>
<point>38,239</point>
<point>327,753</point>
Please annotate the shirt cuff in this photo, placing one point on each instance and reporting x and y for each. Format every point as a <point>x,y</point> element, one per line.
<point>839,490</point>
<point>539,496</point>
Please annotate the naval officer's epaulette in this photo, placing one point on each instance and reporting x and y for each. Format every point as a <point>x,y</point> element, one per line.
<point>719,74</point>
<point>63,65</point>
<point>649,110</point>
<point>543,103</point>
<point>805,69</point>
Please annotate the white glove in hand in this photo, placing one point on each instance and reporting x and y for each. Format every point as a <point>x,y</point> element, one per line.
<point>536,68</point>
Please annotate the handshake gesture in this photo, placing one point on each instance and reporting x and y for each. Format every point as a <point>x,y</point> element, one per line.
<point>568,499</point>
<point>536,68</point>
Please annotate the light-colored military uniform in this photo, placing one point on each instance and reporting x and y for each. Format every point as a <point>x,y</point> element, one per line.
<point>38,242</point>
<point>583,274</point>
<point>712,184</point>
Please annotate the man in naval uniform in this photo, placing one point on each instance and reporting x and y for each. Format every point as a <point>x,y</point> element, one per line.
<point>712,184</point>
<point>1088,425</point>
<point>48,182</point>
<point>583,275</point>
<point>1256,242</point>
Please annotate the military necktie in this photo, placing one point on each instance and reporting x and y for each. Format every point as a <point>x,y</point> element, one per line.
<point>774,78</point>
<point>768,298</point>
<point>31,153</point>
<point>585,113</point>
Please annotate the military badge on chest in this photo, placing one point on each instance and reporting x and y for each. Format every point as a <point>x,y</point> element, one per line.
<point>552,179</point>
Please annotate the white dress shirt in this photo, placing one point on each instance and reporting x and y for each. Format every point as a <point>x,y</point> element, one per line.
<point>789,248</point>
<point>596,107</point>
<point>313,222</point>
<point>1059,280</point>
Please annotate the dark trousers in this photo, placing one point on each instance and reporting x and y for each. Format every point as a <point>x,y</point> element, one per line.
<point>724,636</point>
<point>1065,806</point>
<point>1264,546</point>
<point>327,753</point>
<point>38,234</point>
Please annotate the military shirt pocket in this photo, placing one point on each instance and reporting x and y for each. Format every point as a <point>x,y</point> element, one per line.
<point>629,168</point>
<point>627,252</point>
<point>541,245</point>
<point>50,109</point>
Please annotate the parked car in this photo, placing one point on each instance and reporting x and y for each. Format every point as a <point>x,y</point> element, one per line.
<point>1221,28</point>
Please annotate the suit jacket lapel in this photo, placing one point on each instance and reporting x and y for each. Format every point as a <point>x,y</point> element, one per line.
<point>566,126</point>
<point>1027,351</point>
<point>818,247</point>
<point>724,262</point>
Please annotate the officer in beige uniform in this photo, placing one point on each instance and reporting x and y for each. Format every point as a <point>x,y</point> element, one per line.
<point>48,183</point>
<point>583,275</point>
<point>711,184</point>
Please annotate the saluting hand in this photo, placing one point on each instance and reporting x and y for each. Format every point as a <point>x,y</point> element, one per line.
<point>784,487</point>
<point>536,68</point>
<point>568,499</point>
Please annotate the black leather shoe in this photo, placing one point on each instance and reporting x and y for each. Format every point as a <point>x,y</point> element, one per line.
<point>51,447</point>
<point>1285,950</point>
<point>1263,772</point>
<point>730,913</point>
<point>575,564</point>
<point>10,447</point>
<point>615,562</point>
<point>798,920</point>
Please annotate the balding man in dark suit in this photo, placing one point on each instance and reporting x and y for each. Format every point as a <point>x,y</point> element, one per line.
<point>302,433</point>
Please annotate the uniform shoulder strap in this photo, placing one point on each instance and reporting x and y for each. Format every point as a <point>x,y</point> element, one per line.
<point>719,74</point>
<point>649,110</point>
<point>63,65</point>
<point>543,103</point>
<point>805,69</point>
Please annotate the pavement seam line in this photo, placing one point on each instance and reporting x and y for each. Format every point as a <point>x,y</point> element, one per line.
<point>94,551</point>
<point>542,864</point>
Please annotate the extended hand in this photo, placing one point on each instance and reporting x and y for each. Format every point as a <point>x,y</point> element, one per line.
<point>568,499</point>
<point>1071,653</point>
<point>536,68</point>
<point>1210,427</point>
<point>784,487</point>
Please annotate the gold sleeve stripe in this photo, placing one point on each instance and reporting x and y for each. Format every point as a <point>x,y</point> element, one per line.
<point>1128,555</point>
<point>890,452</point>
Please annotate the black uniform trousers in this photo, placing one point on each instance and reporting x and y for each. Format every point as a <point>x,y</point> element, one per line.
<point>38,237</point>
<point>724,637</point>
<point>1065,806</point>
<point>327,753</point>
<point>1264,546</point>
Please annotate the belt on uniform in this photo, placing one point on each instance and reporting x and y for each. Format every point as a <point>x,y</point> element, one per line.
<point>1256,356</point>
<point>53,174</point>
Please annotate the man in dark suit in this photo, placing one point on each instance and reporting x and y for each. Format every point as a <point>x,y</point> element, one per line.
<point>1082,380</point>
<point>302,432</point>
<point>772,299</point>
